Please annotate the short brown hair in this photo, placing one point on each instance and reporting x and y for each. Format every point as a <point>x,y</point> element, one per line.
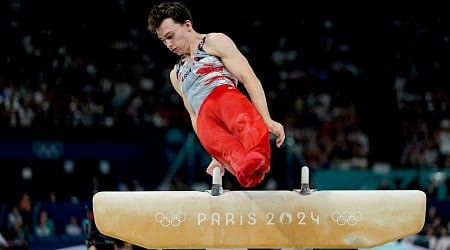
<point>178,11</point>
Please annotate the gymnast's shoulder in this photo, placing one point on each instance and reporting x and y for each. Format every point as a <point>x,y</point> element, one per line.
<point>216,36</point>
<point>217,43</point>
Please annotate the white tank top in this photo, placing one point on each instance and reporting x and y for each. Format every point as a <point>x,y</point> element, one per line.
<point>200,74</point>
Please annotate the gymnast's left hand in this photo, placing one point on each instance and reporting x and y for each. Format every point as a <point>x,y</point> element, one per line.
<point>277,129</point>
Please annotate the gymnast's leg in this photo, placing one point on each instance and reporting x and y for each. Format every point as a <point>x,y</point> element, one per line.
<point>232,131</point>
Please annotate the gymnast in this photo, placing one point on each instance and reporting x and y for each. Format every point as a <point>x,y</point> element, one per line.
<point>233,128</point>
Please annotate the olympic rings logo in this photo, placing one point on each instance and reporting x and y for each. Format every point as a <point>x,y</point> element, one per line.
<point>170,219</point>
<point>346,217</point>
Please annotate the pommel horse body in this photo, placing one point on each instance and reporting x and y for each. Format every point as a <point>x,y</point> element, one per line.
<point>301,218</point>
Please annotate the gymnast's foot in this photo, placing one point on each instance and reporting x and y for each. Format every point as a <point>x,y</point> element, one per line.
<point>253,169</point>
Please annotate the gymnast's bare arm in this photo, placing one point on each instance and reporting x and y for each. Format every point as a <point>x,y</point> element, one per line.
<point>222,46</point>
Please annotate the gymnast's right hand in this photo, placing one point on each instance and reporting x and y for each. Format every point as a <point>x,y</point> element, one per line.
<point>214,163</point>
<point>277,129</point>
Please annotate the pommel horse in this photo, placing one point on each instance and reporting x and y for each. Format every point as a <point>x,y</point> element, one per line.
<point>299,218</point>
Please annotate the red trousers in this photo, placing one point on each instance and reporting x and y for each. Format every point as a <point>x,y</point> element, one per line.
<point>232,131</point>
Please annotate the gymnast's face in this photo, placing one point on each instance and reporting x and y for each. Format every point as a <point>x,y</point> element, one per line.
<point>175,36</point>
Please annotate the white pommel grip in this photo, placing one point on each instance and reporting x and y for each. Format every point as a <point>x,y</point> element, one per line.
<point>217,178</point>
<point>304,189</point>
<point>305,175</point>
<point>216,188</point>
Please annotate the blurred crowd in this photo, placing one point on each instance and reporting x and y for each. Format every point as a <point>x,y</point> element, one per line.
<point>348,92</point>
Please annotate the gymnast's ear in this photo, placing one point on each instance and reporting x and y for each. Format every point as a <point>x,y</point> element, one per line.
<point>189,25</point>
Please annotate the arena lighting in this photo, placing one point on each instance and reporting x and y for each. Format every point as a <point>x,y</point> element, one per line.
<point>69,166</point>
<point>104,167</point>
<point>27,173</point>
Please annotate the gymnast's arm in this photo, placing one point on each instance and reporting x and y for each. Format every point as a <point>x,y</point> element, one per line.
<point>222,46</point>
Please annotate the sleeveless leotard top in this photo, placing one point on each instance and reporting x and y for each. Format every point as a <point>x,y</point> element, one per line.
<point>199,75</point>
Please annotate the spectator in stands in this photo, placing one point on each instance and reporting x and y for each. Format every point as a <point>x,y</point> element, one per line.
<point>26,211</point>
<point>233,129</point>
<point>15,223</point>
<point>3,242</point>
<point>16,244</point>
<point>443,240</point>
<point>442,138</point>
<point>121,245</point>
<point>117,245</point>
<point>45,226</point>
<point>73,228</point>
<point>16,237</point>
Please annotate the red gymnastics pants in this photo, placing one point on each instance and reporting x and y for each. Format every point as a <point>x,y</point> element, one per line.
<point>232,131</point>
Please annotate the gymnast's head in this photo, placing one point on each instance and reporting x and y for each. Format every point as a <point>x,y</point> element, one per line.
<point>172,24</point>
<point>175,11</point>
